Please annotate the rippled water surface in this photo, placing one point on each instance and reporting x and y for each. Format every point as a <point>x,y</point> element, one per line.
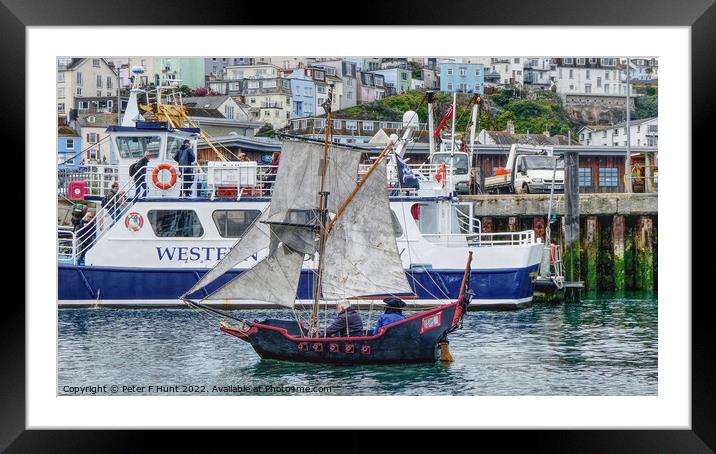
<point>600,346</point>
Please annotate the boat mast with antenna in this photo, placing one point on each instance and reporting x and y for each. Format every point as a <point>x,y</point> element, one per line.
<point>323,218</point>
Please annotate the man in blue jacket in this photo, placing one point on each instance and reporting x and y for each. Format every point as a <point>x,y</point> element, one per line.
<point>348,322</point>
<point>186,158</point>
<point>393,313</point>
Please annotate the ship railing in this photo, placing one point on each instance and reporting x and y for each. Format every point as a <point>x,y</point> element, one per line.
<point>66,244</point>
<point>114,209</point>
<point>524,238</point>
<point>98,178</point>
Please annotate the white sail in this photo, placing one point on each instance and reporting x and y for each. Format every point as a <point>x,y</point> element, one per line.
<point>274,280</point>
<point>361,255</point>
<point>253,240</point>
<point>295,199</point>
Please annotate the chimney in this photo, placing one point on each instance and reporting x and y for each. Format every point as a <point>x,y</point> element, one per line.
<point>510,128</point>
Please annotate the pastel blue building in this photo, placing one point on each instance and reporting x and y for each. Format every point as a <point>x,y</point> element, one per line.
<point>462,77</point>
<point>69,149</point>
<point>303,94</point>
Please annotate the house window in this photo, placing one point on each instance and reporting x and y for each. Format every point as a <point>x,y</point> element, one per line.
<point>319,123</point>
<point>109,82</point>
<point>449,86</point>
<point>337,124</point>
<point>234,223</point>
<point>463,87</point>
<point>61,107</point>
<point>585,177</point>
<point>99,93</point>
<point>588,88</point>
<point>69,144</point>
<point>61,76</point>
<point>60,92</point>
<point>580,61</point>
<point>92,154</point>
<point>229,112</point>
<point>463,71</point>
<point>449,71</point>
<point>568,61</point>
<point>592,61</point>
<point>79,78</point>
<point>599,81</point>
<point>176,223</point>
<point>92,137</point>
<point>477,71</point>
<point>79,91</point>
<point>367,126</point>
<point>477,87</point>
<point>606,75</point>
<point>606,88</point>
<point>351,125</point>
<point>588,74</point>
<point>95,62</point>
<point>83,105</point>
<point>571,74</point>
<point>99,81</point>
<point>608,177</point>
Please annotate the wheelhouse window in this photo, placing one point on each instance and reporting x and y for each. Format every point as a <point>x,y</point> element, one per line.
<point>135,147</point>
<point>175,223</point>
<point>234,223</point>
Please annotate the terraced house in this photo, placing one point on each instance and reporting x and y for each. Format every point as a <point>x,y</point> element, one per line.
<point>81,78</point>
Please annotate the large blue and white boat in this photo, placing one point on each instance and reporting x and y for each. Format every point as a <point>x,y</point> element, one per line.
<point>149,249</point>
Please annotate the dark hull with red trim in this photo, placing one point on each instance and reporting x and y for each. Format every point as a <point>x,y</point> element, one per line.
<point>412,340</point>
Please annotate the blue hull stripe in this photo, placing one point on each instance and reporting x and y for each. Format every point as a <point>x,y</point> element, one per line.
<point>83,283</point>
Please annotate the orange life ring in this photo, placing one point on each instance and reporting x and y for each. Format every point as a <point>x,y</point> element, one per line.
<point>155,176</point>
<point>441,175</point>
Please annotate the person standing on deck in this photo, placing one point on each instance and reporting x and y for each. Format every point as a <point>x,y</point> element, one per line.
<point>186,158</point>
<point>138,171</point>
<point>348,322</point>
<point>113,201</point>
<point>85,235</point>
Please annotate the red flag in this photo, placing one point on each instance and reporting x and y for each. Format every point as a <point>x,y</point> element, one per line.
<point>442,122</point>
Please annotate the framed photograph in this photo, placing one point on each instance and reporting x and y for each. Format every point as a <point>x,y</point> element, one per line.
<point>448,220</point>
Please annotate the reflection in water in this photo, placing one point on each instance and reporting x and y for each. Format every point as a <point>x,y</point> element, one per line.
<point>601,346</point>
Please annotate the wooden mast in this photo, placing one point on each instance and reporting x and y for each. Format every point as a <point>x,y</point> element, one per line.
<point>323,217</point>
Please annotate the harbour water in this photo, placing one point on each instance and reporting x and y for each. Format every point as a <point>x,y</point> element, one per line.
<point>604,345</point>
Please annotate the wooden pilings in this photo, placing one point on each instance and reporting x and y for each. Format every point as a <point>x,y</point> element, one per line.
<point>591,248</point>
<point>644,255</point>
<point>570,224</point>
<point>618,229</point>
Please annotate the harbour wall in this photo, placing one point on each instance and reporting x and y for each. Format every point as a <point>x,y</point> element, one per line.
<point>616,236</point>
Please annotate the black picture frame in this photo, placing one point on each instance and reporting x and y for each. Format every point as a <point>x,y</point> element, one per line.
<point>16,15</point>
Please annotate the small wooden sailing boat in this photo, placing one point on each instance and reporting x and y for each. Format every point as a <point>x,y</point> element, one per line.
<point>320,207</point>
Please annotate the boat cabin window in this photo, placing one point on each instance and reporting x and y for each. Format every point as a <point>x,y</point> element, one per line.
<point>175,223</point>
<point>134,147</point>
<point>233,223</point>
<point>460,162</point>
<point>173,145</point>
<point>397,228</point>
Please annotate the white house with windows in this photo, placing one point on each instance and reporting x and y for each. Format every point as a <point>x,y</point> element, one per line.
<point>583,75</point>
<point>644,133</point>
<point>95,140</point>
<point>643,68</point>
<point>83,77</point>
<point>213,106</point>
<point>258,71</point>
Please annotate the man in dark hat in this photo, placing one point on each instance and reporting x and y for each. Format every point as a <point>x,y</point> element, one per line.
<point>393,313</point>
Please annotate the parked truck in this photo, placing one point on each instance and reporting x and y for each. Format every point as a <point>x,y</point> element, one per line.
<point>529,169</point>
